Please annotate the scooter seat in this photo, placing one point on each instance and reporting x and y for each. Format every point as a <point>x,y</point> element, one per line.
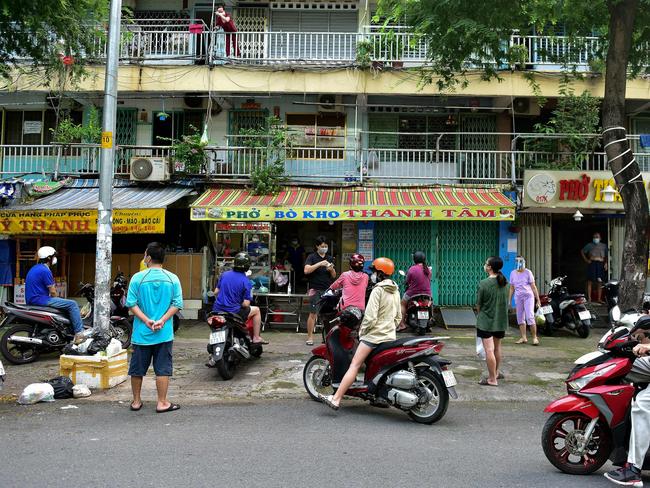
<point>384,346</point>
<point>36,307</point>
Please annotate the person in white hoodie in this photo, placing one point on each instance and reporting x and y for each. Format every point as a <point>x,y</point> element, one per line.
<point>383,314</point>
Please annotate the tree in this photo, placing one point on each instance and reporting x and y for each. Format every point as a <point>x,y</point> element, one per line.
<point>51,34</point>
<point>465,36</point>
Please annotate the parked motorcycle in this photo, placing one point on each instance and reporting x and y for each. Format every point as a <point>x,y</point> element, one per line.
<point>592,422</point>
<point>418,313</point>
<point>36,330</point>
<point>563,310</point>
<point>407,373</point>
<point>231,340</point>
<point>328,309</point>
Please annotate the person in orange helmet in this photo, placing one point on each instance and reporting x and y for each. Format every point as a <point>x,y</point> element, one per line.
<point>383,314</point>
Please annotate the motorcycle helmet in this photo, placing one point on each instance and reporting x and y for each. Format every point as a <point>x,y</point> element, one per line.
<point>46,252</point>
<point>419,257</point>
<point>356,262</point>
<point>642,325</point>
<point>351,317</point>
<point>242,262</point>
<point>384,266</point>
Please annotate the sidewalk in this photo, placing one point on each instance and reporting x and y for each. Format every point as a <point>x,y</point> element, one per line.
<point>532,373</point>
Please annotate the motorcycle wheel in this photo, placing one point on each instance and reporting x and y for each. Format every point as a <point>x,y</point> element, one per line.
<point>437,406</point>
<point>19,353</point>
<point>225,367</point>
<point>559,438</point>
<point>548,326</point>
<point>317,378</point>
<point>584,329</point>
<point>122,332</point>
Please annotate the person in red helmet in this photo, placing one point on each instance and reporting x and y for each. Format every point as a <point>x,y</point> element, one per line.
<point>354,284</point>
<point>382,315</point>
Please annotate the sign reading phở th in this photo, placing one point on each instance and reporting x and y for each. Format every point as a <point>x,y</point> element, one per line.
<point>125,221</point>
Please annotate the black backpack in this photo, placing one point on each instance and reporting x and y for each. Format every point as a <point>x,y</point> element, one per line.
<point>62,387</point>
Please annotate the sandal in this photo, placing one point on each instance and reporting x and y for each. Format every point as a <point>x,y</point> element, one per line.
<point>327,400</point>
<point>484,382</point>
<point>135,409</point>
<point>172,408</point>
<point>521,341</point>
<point>535,342</point>
<point>501,376</point>
<point>309,343</point>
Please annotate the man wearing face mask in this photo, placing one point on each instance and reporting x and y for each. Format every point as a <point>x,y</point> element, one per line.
<point>256,248</point>
<point>320,272</point>
<point>295,254</point>
<point>595,255</point>
<point>40,290</point>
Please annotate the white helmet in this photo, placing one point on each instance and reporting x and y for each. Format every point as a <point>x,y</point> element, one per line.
<point>46,252</point>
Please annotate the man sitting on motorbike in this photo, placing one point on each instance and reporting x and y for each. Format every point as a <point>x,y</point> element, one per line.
<point>630,473</point>
<point>233,295</point>
<point>382,315</point>
<point>40,290</point>
<point>353,283</point>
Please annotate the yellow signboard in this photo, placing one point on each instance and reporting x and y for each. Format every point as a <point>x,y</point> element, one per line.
<point>342,213</point>
<point>107,140</point>
<point>61,222</point>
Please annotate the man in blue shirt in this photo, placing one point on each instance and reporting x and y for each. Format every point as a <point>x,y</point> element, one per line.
<point>154,297</point>
<point>233,295</point>
<point>40,290</point>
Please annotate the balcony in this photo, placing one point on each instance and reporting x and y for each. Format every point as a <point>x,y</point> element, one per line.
<point>319,165</point>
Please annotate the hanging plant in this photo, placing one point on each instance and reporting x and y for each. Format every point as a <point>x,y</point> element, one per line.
<point>189,152</point>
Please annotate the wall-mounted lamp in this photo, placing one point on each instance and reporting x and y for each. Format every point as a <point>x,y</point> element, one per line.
<point>577,216</point>
<point>608,194</point>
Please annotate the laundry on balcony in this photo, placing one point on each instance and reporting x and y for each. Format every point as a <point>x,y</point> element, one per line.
<point>644,139</point>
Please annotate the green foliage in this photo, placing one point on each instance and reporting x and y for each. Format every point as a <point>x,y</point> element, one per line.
<point>575,115</point>
<point>28,27</point>
<point>190,151</point>
<point>364,54</point>
<point>272,142</point>
<point>67,132</point>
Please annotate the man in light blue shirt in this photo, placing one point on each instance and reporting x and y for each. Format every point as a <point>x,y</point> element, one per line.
<point>154,297</point>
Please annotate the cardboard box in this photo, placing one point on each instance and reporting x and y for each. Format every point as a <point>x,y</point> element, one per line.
<point>96,372</point>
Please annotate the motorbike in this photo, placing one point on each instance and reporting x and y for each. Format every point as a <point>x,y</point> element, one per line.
<point>592,422</point>
<point>407,373</point>
<point>564,310</point>
<point>231,341</point>
<point>328,309</point>
<point>36,330</point>
<point>418,313</point>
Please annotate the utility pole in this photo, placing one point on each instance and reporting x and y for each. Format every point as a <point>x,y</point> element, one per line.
<point>104,254</point>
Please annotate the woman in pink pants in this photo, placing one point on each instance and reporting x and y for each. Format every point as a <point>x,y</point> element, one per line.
<point>522,285</point>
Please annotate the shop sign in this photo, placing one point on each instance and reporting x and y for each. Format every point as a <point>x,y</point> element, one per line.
<point>349,213</point>
<point>571,189</point>
<point>61,288</point>
<point>125,221</point>
<point>242,226</point>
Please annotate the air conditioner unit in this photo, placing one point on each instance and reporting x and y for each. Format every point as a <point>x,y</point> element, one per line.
<point>525,106</point>
<point>330,103</point>
<point>145,168</point>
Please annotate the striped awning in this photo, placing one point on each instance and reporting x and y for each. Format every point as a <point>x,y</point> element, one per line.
<point>354,204</point>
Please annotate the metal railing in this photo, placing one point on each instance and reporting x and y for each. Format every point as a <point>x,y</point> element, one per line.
<point>558,50</point>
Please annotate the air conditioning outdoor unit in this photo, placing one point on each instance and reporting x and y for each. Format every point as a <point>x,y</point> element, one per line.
<point>525,106</point>
<point>330,103</point>
<point>145,168</point>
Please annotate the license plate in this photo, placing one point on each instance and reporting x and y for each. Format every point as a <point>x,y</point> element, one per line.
<point>584,315</point>
<point>217,337</point>
<point>450,379</point>
<point>423,315</point>
<point>546,309</point>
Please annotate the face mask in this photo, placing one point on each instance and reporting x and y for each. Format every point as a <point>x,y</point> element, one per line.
<point>521,263</point>
<point>485,268</point>
<point>147,261</point>
<point>54,260</point>
<point>255,239</point>
<point>373,277</point>
<point>596,240</point>
<point>294,243</point>
<point>322,250</point>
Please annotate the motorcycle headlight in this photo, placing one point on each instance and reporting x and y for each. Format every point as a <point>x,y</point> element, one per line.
<point>579,383</point>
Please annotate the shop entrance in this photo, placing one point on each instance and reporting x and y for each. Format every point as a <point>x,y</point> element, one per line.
<point>569,237</point>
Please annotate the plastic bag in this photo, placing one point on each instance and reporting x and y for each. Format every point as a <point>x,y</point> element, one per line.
<point>36,392</point>
<point>70,350</point>
<point>62,386</point>
<point>480,351</point>
<point>2,375</point>
<point>114,347</point>
<point>279,278</point>
<point>80,391</point>
<point>99,343</point>
<point>83,347</point>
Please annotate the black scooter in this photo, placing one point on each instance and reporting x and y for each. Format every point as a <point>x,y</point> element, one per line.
<point>564,310</point>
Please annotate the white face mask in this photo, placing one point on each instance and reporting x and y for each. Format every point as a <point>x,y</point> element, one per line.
<point>373,277</point>
<point>322,250</point>
<point>596,240</point>
<point>54,260</point>
<point>255,239</point>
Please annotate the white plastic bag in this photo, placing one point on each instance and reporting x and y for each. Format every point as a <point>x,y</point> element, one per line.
<point>80,391</point>
<point>83,347</point>
<point>36,392</point>
<point>480,352</point>
<point>114,347</point>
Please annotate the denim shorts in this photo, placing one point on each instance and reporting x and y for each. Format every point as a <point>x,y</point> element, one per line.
<point>142,357</point>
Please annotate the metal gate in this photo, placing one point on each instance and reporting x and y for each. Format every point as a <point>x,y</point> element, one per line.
<point>461,250</point>
<point>399,240</point>
<point>534,244</point>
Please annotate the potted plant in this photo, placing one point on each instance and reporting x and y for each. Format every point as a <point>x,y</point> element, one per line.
<point>365,53</point>
<point>189,153</point>
<point>515,226</point>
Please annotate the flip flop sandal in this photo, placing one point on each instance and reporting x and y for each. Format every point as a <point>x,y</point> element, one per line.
<point>521,341</point>
<point>134,409</point>
<point>261,342</point>
<point>172,408</point>
<point>501,376</point>
<point>327,400</point>
<point>536,342</point>
<point>484,382</point>
<point>309,343</point>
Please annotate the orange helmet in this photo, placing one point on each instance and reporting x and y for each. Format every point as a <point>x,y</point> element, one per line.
<point>384,265</point>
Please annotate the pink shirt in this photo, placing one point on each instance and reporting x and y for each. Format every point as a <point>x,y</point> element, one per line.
<point>522,283</point>
<point>354,284</point>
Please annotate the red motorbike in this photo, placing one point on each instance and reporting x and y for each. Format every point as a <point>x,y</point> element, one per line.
<point>592,422</point>
<point>231,340</point>
<point>407,374</point>
<point>418,313</point>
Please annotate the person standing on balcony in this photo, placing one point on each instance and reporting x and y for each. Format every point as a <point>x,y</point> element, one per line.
<point>320,272</point>
<point>224,20</point>
<point>595,255</point>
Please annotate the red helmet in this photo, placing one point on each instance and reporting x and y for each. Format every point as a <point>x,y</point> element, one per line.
<point>356,262</point>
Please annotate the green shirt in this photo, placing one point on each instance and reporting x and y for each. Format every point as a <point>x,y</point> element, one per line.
<point>492,301</point>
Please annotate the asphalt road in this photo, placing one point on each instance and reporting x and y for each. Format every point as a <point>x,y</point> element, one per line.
<point>276,444</point>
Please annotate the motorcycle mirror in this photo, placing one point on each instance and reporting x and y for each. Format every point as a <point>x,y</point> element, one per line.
<point>401,272</point>
<point>615,314</point>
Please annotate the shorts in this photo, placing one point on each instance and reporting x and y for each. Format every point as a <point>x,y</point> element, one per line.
<point>142,356</point>
<point>596,272</point>
<point>244,312</point>
<point>371,345</point>
<point>314,299</point>
<point>486,334</point>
